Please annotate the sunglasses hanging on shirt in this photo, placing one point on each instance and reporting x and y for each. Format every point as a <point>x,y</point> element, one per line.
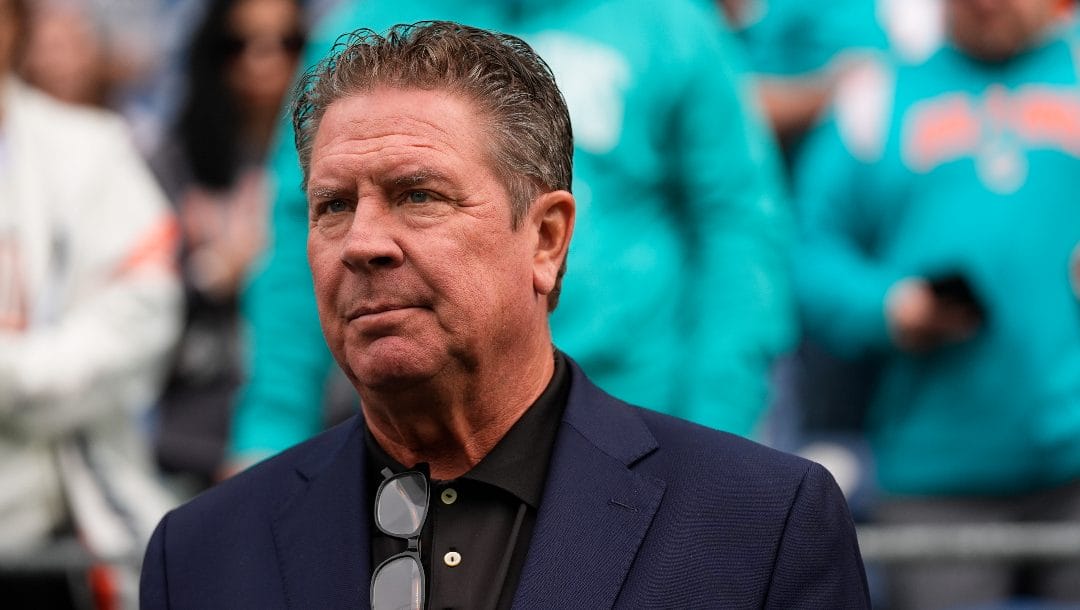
<point>401,507</point>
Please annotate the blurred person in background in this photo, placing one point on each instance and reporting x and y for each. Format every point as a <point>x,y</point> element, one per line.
<point>680,297</point>
<point>241,61</point>
<point>89,309</point>
<point>797,52</point>
<point>66,54</point>
<point>106,54</point>
<point>939,215</point>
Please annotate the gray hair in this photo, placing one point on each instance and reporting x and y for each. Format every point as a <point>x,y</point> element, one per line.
<point>525,112</point>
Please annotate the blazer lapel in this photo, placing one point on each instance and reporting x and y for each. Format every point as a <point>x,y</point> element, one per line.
<point>595,510</point>
<point>321,534</point>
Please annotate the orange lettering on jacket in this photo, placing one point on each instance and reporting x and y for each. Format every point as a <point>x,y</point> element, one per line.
<point>955,125</point>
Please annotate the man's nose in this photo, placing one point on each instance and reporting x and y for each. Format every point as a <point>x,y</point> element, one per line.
<point>372,240</point>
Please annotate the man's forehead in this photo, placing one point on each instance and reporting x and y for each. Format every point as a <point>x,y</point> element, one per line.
<point>401,114</point>
<point>384,105</point>
<point>400,126</point>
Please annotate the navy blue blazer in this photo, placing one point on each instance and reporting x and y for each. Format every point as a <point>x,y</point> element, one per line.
<point>640,510</point>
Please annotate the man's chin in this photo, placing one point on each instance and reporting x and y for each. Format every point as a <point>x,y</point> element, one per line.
<point>391,369</point>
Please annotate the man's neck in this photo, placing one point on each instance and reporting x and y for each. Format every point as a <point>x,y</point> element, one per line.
<point>452,426</point>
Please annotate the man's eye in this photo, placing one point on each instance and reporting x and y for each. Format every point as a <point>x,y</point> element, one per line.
<point>417,197</point>
<point>336,206</point>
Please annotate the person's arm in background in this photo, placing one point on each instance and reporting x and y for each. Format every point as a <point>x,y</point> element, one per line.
<point>741,309</point>
<point>841,289</point>
<point>798,51</point>
<point>117,298</point>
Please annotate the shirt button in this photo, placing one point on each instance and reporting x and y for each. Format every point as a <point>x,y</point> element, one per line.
<point>449,496</point>
<point>452,558</point>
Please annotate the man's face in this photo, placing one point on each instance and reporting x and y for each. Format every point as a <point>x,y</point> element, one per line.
<point>417,270</point>
<point>995,30</point>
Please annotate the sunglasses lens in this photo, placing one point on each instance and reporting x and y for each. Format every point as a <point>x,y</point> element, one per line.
<point>398,584</point>
<point>402,505</point>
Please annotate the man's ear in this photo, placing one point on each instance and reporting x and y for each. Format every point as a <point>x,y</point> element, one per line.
<point>551,216</point>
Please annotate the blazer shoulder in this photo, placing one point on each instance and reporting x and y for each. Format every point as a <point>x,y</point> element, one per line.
<point>778,516</point>
<point>683,436</point>
<point>670,448</point>
<point>220,549</point>
<point>719,462</point>
<point>263,487</point>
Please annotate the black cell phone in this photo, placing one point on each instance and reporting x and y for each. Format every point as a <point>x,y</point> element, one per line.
<point>954,289</point>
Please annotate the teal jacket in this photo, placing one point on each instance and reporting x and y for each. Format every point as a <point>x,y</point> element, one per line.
<point>677,295</point>
<point>955,167</point>
<point>794,37</point>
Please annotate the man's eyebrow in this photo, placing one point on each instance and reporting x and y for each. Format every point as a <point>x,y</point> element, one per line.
<point>322,192</point>
<point>417,178</point>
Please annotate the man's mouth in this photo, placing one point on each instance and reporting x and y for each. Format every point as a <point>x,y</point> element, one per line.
<point>375,309</point>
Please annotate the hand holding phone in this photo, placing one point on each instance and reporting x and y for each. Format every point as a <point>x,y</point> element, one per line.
<point>926,314</point>
<point>954,290</point>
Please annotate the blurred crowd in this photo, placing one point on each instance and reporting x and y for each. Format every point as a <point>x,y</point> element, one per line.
<point>846,229</point>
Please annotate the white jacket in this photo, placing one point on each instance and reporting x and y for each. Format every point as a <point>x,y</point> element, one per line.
<point>90,306</point>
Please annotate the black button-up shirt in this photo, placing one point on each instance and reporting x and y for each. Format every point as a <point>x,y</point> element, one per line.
<point>479,525</point>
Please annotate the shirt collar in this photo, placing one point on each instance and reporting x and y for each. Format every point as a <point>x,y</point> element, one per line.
<point>519,461</point>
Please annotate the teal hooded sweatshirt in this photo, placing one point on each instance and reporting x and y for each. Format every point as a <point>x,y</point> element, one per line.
<point>955,166</point>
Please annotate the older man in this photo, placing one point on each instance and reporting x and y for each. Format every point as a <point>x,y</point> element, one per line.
<point>485,470</point>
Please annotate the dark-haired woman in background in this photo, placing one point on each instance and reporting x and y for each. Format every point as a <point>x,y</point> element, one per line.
<point>240,65</point>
